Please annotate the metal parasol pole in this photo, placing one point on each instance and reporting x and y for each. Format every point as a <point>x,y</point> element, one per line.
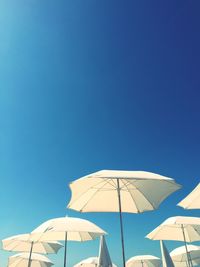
<point>188,259</point>
<point>29,260</point>
<point>65,253</point>
<point>121,223</point>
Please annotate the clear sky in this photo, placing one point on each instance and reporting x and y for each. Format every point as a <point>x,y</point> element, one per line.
<point>87,85</point>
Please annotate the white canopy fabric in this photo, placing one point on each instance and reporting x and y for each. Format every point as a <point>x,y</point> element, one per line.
<point>192,201</point>
<point>173,227</point>
<point>76,229</point>
<point>120,191</point>
<point>23,243</point>
<point>166,258</point>
<point>21,260</point>
<point>90,262</point>
<point>104,256</point>
<point>143,261</point>
<point>179,255</point>
<point>140,191</point>
<point>103,260</point>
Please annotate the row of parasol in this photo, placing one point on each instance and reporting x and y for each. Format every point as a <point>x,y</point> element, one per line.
<point>114,191</point>
<point>178,259</point>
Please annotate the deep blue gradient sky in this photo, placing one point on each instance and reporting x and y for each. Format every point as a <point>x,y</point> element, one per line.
<point>90,85</point>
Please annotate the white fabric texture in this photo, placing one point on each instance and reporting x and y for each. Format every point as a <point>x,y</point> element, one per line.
<point>23,243</point>
<point>104,256</point>
<point>173,227</point>
<point>21,260</point>
<point>179,255</point>
<point>90,262</point>
<point>143,261</point>
<point>140,191</point>
<point>166,258</point>
<point>75,228</point>
<point>192,201</point>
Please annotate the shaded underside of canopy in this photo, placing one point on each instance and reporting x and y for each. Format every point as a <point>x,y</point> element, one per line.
<point>172,229</point>
<point>140,191</point>
<point>74,229</point>
<point>179,255</point>
<point>21,260</point>
<point>23,243</point>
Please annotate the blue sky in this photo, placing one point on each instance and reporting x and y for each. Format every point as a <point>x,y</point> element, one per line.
<point>91,85</point>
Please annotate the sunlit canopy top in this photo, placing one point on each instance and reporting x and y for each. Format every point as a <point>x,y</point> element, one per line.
<point>192,201</point>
